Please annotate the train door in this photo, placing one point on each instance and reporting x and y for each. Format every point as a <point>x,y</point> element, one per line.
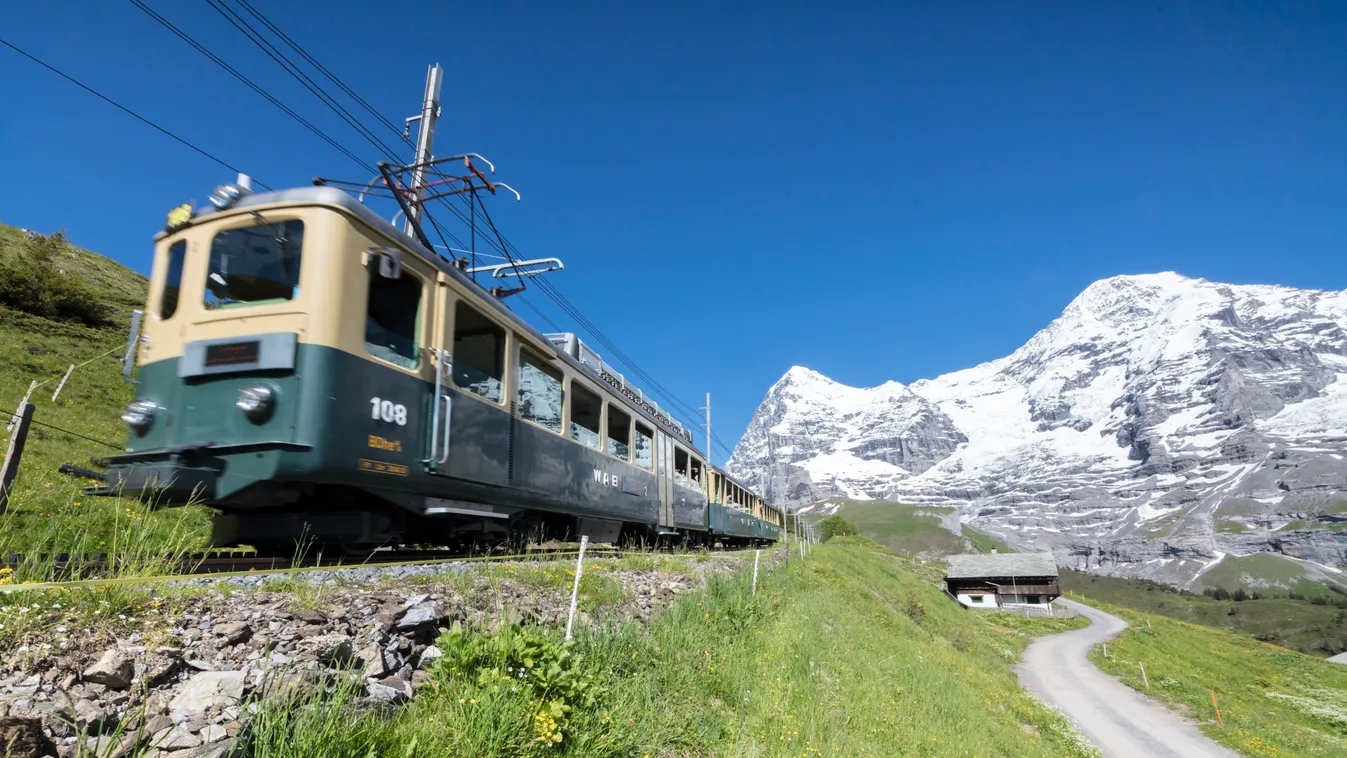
<point>664,459</point>
<point>439,409</point>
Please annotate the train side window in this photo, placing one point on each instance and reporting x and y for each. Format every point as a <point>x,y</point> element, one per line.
<point>479,353</point>
<point>644,449</point>
<point>168,301</point>
<point>696,473</point>
<point>540,395</point>
<point>586,410</point>
<point>255,265</point>
<point>681,466</point>
<point>619,433</point>
<point>391,318</point>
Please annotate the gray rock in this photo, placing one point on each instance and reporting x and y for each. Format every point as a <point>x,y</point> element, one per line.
<point>310,617</point>
<point>113,670</point>
<point>233,632</point>
<point>428,656</point>
<point>209,688</point>
<point>213,733</point>
<point>392,690</point>
<point>417,617</point>
<point>91,717</point>
<point>335,649</point>
<point>175,738</point>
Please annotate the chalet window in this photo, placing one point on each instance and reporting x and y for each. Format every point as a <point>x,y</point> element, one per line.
<point>540,393</point>
<point>644,449</point>
<point>619,434</point>
<point>479,353</point>
<point>168,303</point>
<point>975,598</point>
<point>586,408</point>
<point>391,315</point>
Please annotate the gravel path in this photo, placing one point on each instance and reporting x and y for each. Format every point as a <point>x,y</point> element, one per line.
<point>1120,720</point>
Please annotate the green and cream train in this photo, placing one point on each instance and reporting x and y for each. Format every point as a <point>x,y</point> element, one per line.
<point>315,373</point>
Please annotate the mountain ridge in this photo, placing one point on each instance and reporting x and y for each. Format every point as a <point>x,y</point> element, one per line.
<point>1160,419</point>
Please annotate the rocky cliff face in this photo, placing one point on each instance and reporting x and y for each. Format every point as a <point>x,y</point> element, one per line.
<point>1158,425</point>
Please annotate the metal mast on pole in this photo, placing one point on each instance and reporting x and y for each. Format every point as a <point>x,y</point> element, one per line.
<point>425,143</point>
<point>708,426</point>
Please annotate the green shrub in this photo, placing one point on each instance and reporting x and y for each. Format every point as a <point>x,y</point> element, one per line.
<point>32,280</point>
<point>836,526</point>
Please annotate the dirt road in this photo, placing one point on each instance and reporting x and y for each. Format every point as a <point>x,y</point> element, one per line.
<point>1121,721</point>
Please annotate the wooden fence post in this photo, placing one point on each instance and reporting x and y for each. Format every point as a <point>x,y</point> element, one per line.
<point>1143,675</point>
<point>1217,708</point>
<point>10,469</point>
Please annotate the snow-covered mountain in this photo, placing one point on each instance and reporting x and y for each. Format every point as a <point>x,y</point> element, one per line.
<point>1159,424</point>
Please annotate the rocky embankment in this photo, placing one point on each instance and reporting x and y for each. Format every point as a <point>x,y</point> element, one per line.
<point>182,682</point>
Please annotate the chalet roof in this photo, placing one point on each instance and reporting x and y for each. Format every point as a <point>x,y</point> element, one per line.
<point>977,566</point>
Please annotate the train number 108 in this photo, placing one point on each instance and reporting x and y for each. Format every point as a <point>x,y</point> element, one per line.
<point>387,410</point>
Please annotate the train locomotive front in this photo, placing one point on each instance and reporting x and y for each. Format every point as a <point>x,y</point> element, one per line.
<point>316,374</point>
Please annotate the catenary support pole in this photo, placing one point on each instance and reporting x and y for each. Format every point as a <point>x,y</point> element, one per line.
<point>785,528</point>
<point>757,556</point>
<point>708,425</point>
<point>14,453</point>
<point>425,143</point>
<point>575,590</point>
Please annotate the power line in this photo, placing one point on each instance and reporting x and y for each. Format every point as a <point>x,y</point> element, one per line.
<point>276,55</point>
<point>122,108</point>
<point>185,37</point>
<point>331,77</point>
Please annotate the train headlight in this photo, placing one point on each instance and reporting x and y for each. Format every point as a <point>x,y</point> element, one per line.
<point>256,401</point>
<point>226,195</point>
<point>139,414</point>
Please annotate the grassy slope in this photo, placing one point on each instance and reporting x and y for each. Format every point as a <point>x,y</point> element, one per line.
<point>850,652</point>
<point>985,543</point>
<point>915,528</point>
<point>1313,629</point>
<point>902,527</point>
<point>1274,702</point>
<point>1268,571</point>
<point>47,511</point>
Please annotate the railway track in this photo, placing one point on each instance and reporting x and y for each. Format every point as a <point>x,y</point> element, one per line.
<point>92,570</point>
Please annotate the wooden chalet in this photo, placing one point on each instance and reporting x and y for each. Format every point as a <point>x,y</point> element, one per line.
<point>997,580</point>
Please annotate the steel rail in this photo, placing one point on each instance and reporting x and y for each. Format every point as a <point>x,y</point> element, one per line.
<point>421,560</point>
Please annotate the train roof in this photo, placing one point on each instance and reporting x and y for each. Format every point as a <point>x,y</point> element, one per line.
<point>323,195</point>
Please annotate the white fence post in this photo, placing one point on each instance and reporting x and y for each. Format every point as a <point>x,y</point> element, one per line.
<point>62,384</point>
<point>756,557</point>
<point>575,591</point>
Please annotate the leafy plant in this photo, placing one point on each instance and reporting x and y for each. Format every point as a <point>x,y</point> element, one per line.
<point>544,670</point>
<point>836,526</point>
<point>34,281</point>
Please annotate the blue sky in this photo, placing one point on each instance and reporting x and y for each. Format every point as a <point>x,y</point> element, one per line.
<point>876,191</point>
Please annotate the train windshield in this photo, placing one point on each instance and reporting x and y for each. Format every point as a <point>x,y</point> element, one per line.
<point>256,265</point>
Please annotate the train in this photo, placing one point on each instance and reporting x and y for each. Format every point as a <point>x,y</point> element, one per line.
<point>315,373</point>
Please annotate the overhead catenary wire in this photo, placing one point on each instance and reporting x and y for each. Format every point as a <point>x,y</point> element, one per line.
<point>185,37</point>
<point>238,22</point>
<point>321,68</point>
<point>125,109</point>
